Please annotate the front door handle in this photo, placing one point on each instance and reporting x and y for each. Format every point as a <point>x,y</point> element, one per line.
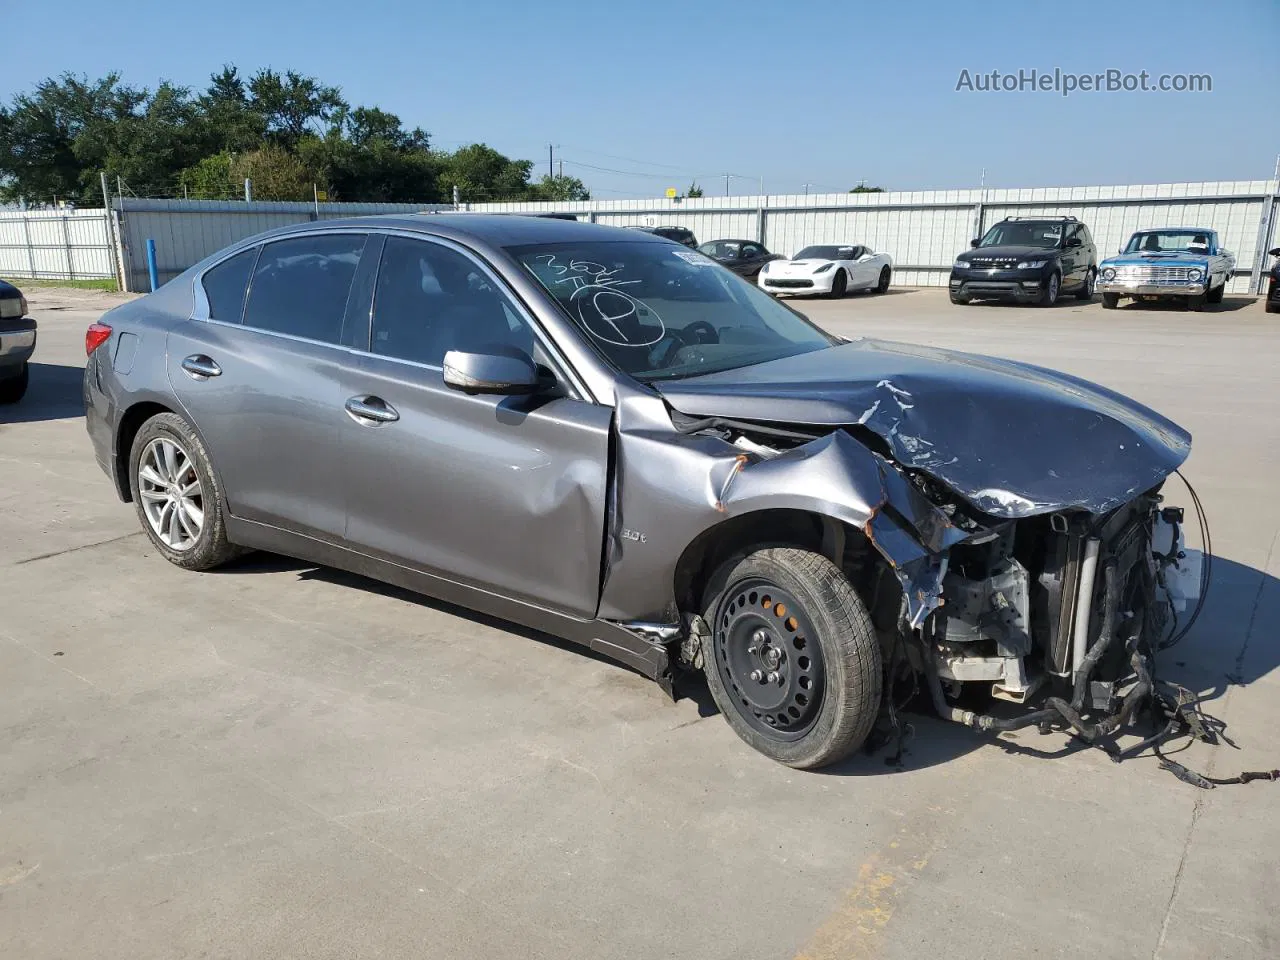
<point>369,411</point>
<point>199,367</point>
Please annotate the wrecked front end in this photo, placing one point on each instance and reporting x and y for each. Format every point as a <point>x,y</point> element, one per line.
<point>1046,578</point>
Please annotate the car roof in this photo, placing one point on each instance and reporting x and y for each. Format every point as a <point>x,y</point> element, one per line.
<point>1176,230</point>
<point>497,230</point>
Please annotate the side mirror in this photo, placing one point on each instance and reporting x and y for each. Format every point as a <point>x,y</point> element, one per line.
<point>1275,252</point>
<point>512,374</point>
<point>975,241</point>
<point>1074,242</point>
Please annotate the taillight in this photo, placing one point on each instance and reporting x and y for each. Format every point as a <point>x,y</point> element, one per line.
<point>96,336</point>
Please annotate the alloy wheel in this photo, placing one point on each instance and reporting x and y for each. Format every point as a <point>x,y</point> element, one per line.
<point>171,492</point>
<point>769,658</point>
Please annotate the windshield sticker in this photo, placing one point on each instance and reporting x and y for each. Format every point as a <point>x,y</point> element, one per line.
<point>697,259</point>
<point>608,313</point>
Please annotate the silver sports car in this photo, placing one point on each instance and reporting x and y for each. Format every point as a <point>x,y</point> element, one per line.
<point>609,437</point>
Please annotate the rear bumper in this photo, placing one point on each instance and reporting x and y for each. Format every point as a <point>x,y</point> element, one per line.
<point>17,343</point>
<point>99,422</point>
<point>1139,288</point>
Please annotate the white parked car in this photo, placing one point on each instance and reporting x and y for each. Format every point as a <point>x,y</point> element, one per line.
<point>829,271</point>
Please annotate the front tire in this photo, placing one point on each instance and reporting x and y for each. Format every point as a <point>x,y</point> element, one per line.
<point>1086,291</point>
<point>959,299</point>
<point>1110,301</point>
<point>1215,294</point>
<point>791,658</point>
<point>1051,290</point>
<point>839,284</point>
<point>176,494</point>
<point>14,389</point>
<point>885,276</point>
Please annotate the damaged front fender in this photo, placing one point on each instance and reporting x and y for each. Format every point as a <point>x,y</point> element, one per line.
<point>671,487</point>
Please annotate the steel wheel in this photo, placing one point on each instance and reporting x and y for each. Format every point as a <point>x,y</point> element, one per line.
<point>171,493</point>
<point>766,659</point>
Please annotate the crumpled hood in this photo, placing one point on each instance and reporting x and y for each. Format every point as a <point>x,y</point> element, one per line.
<point>1011,438</point>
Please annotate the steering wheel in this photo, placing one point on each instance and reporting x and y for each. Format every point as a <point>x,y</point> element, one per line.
<point>701,331</point>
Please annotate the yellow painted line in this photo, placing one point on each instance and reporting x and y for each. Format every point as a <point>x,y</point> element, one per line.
<point>855,929</point>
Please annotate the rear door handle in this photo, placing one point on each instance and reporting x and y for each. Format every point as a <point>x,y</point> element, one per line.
<point>369,411</point>
<point>199,367</point>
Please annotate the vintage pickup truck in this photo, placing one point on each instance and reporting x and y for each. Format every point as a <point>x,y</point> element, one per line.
<point>1183,263</point>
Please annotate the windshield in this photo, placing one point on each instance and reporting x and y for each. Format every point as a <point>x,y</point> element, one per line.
<point>825,253</point>
<point>661,313</point>
<point>1169,241</point>
<point>721,248</point>
<point>1024,233</point>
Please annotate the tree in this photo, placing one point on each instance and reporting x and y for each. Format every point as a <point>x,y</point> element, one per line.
<point>40,150</point>
<point>861,188</point>
<point>275,173</point>
<point>482,173</point>
<point>234,124</point>
<point>292,105</point>
<point>694,191</point>
<point>559,188</point>
<point>210,179</point>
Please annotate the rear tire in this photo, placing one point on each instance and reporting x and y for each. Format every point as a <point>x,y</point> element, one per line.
<point>885,276</point>
<point>791,658</point>
<point>151,482</point>
<point>1110,301</point>
<point>839,284</point>
<point>13,389</point>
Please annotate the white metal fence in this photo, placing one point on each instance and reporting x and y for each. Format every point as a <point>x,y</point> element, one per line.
<point>921,230</point>
<point>55,245</point>
<point>924,230</point>
<point>187,231</point>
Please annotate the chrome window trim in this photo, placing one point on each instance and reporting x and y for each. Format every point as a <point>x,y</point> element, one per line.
<point>562,367</point>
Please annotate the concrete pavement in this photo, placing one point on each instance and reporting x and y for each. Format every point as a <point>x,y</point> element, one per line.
<point>284,761</point>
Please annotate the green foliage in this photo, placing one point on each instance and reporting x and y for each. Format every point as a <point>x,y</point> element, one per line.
<point>694,191</point>
<point>285,131</point>
<point>862,188</point>
<point>559,188</point>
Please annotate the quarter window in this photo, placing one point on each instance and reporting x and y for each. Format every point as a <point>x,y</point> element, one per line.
<point>300,286</point>
<point>225,284</point>
<point>430,299</point>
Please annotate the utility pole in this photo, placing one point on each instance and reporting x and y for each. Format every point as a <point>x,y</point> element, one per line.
<point>726,184</point>
<point>551,163</point>
<point>806,188</point>
<point>562,168</point>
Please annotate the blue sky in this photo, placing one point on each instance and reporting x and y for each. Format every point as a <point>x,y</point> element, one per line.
<point>824,93</point>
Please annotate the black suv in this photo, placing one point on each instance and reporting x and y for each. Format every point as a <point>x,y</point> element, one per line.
<point>678,234</point>
<point>1031,260</point>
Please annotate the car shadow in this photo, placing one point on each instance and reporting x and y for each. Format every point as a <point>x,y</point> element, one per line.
<point>1228,305</point>
<point>54,392</point>
<point>1228,645</point>
<point>261,562</point>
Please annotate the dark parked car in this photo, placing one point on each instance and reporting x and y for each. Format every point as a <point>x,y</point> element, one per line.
<point>1029,260</point>
<point>1273,285</point>
<point>17,343</point>
<point>743,257</point>
<point>589,431</point>
<point>678,234</point>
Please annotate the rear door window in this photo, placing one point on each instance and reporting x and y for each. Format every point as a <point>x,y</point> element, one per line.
<point>225,284</point>
<point>300,286</point>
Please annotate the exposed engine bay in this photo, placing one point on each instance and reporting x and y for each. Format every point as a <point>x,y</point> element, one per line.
<point>1063,612</point>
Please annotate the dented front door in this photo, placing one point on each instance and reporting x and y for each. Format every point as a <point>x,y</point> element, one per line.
<point>504,493</point>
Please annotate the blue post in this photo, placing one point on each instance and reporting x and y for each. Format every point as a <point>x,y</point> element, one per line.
<point>151,264</point>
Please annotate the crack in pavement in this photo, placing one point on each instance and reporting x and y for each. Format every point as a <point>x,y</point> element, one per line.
<point>83,546</point>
